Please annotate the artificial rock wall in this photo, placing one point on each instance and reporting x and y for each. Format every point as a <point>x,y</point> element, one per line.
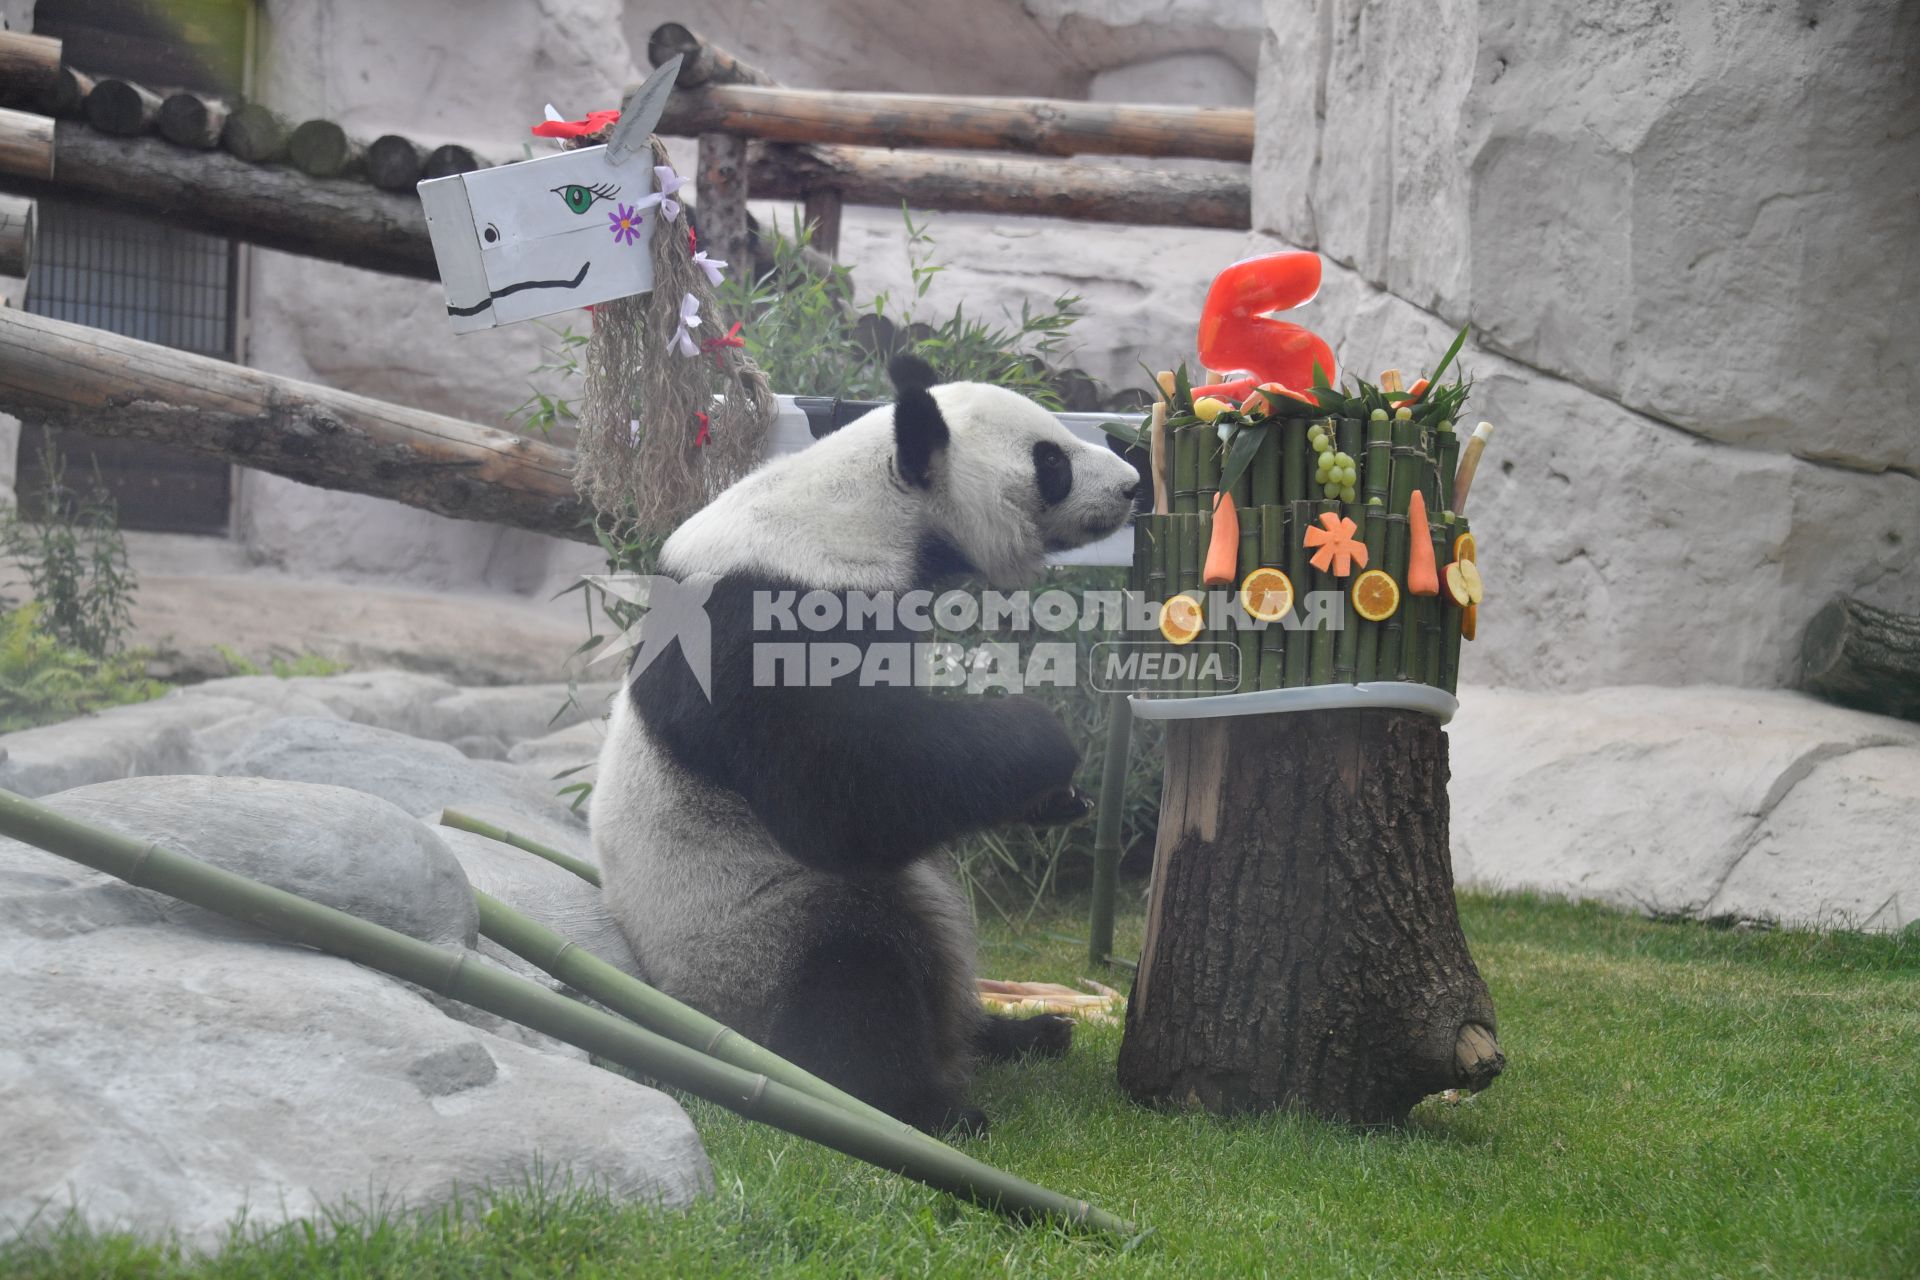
<point>1684,236</point>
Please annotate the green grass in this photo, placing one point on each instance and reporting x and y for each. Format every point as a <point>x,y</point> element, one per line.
<point>1679,1101</point>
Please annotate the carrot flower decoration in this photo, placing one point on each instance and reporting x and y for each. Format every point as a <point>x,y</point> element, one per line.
<point>1339,551</point>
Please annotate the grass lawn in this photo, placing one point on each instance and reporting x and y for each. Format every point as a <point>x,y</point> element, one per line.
<point>1679,1101</point>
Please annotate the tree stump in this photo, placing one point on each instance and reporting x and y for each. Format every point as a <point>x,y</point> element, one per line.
<point>1303,949</point>
<point>1860,656</point>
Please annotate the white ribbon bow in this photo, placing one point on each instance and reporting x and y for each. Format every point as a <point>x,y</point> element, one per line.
<point>689,321</point>
<point>709,265</point>
<point>670,182</point>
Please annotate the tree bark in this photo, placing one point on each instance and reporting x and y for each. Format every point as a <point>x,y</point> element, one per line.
<point>80,379</point>
<point>1863,657</point>
<point>1038,125</point>
<point>1303,948</point>
<point>977,184</point>
<point>723,197</point>
<point>702,62</point>
<point>214,192</point>
<point>823,214</point>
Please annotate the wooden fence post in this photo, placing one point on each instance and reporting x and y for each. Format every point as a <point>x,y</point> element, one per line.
<point>723,199</point>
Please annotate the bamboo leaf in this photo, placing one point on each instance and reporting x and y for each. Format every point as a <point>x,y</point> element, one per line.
<point>1240,450</point>
<point>1459,340</point>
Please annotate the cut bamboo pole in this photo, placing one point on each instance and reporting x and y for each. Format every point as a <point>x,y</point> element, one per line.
<point>1266,467</point>
<point>322,149</point>
<point>122,108</point>
<point>1325,639</point>
<point>480,827</point>
<point>1186,471</point>
<point>254,134</point>
<point>1405,478</point>
<point>1450,659</point>
<point>71,376</point>
<point>395,163</point>
<point>1433,634</point>
<point>29,68</point>
<point>1300,643</point>
<point>1106,832</point>
<point>1040,126</point>
<point>454,975</point>
<point>1245,563</point>
<point>1162,499</point>
<point>1415,608</point>
<point>1273,636</point>
<point>1469,464</point>
<point>26,144</point>
<point>1446,457</point>
<point>188,120</point>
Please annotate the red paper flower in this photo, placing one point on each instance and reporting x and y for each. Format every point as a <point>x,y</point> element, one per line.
<point>594,123</point>
<point>1338,549</point>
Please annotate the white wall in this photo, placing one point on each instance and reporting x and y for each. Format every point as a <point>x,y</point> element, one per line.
<point>1684,236</point>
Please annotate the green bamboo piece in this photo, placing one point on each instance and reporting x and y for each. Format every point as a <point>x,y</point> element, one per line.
<point>1450,652</point>
<point>1446,457</point>
<point>1160,548</point>
<point>1293,461</point>
<point>456,975</point>
<point>1186,469</point>
<point>1208,443</point>
<point>1249,635</point>
<point>1347,438</point>
<point>1203,524</point>
<point>1325,638</point>
<point>1266,465</point>
<point>1273,635</point>
<point>1397,660</point>
<point>1376,475</point>
<point>1299,643</point>
<point>1346,649</point>
<point>1374,533</point>
<point>1106,831</point>
<point>467,822</point>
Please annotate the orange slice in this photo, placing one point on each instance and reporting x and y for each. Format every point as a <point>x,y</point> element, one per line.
<point>1375,595</point>
<point>1464,548</point>
<point>1267,594</point>
<point>1180,618</point>
<point>1469,621</point>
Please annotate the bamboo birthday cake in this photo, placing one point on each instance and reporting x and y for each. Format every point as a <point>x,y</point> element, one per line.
<point>1317,529</point>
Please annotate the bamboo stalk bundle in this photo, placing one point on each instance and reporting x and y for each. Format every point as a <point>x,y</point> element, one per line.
<point>255,134</point>
<point>1450,653</point>
<point>506,995</point>
<point>1300,643</point>
<point>188,120</point>
<point>1374,534</point>
<point>1273,636</point>
<point>1446,457</point>
<point>1186,472</point>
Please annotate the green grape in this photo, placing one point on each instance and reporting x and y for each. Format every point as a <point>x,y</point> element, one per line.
<point>1404,414</point>
<point>1330,490</point>
<point>1352,475</point>
<point>1380,415</point>
<point>1347,494</point>
<point>1322,446</point>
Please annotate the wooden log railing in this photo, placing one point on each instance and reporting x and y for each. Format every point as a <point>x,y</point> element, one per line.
<point>70,376</point>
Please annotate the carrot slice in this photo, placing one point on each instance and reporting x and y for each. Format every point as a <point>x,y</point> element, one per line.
<point>1423,579</point>
<point>1223,553</point>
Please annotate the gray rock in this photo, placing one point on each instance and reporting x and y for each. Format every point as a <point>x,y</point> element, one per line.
<point>567,749</point>
<point>421,777</point>
<point>158,1080</point>
<point>479,746</point>
<point>120,742</point>
<point>1701,801</point>
<point>515,713</point>
<point>342,848</point>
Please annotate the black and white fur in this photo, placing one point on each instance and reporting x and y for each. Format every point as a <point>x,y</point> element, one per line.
<point>772,854</point>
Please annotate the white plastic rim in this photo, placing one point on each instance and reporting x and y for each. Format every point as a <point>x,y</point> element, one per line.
<point>1401,695</point>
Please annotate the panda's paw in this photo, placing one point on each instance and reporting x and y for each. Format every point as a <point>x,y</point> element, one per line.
<point>1058,808</point>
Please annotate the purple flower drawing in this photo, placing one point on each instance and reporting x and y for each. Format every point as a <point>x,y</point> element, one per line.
<point>626,224</point>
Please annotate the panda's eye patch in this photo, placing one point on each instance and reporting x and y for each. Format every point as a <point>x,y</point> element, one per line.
<point>1052,472</point>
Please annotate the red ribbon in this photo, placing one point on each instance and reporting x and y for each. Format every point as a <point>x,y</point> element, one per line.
<point>693,241</point>
<point>594,123</point>
<point>701,438</point>
<point>716,345</point>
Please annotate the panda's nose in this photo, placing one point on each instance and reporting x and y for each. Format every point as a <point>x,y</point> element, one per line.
<point>1131,490</point>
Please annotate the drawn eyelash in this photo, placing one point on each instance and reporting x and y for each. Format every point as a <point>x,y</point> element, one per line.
<point>605,190</point>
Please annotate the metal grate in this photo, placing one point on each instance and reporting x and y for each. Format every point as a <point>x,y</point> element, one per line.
<point>120,273</point>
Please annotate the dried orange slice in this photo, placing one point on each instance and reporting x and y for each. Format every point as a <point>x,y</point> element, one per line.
<point>1267,594</point>
<point>1469,621</point>
<point>1464,548</point>
<point>1180,618</point>
<point>1375,595</point>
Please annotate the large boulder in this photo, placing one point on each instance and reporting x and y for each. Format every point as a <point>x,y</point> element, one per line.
<point>168,1071</point>
<point>1705,802</point>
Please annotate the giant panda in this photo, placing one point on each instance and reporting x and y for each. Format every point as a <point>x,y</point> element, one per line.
<point>773,854</point>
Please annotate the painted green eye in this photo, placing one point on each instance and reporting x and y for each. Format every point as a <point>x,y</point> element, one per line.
<point>580,199</point>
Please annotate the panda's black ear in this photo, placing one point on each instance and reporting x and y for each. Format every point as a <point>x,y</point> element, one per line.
<point>919,431</point>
